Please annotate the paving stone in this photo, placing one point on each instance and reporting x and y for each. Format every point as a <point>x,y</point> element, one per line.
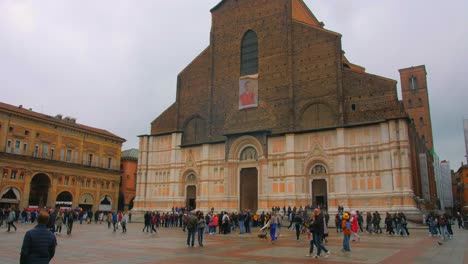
<point>96,243</point>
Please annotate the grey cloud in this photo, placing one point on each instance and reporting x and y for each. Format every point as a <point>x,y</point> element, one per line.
<point>114,64</point>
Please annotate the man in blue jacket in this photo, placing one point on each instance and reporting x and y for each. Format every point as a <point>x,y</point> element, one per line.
<point>38,243</point>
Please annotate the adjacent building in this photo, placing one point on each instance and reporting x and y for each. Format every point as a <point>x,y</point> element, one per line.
<point>55,162</point>
<point>272,113</point>
<point>128,164</point>
<point>465,132</point>
<point>445,193</point>
<point>462,175</point>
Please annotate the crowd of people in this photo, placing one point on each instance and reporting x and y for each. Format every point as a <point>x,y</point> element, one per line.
<point>303,220</point>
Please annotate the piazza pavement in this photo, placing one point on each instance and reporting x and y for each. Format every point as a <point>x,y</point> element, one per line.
<point>95,243</point>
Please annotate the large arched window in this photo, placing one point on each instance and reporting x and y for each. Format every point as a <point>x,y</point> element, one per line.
<point>249,54</point>
<point>194,131</point>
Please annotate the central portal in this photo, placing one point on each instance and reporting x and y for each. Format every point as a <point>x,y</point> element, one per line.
<point>319,193</point>
<point>191,201</point>
<point>248,189</point>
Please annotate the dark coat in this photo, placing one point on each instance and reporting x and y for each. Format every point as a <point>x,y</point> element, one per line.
<point>318,225</point>
<point>38,246</point>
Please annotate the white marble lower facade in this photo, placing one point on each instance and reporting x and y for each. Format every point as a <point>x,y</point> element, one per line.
<point>363,168</point>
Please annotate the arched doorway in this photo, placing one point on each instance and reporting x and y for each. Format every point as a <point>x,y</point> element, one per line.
<point>64,200</point>
<point>248,196</point>
<point>39,193</point>
<point>191,201</point>
<point>86,202</point>
<point>191,193</point>
<point>318,188</point>
<point>106,203</point>
<point>10,197</point>
<point>248,180</point>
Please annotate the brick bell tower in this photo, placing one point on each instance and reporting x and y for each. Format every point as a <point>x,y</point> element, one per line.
<point>416,100</point>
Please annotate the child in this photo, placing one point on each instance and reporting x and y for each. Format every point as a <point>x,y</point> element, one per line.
<point>346,225</point>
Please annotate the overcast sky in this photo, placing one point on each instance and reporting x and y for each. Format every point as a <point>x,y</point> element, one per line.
<point>114,64</point>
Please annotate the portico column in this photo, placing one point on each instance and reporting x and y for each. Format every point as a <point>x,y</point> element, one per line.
<point>52,193</point>
<point>26,189</point>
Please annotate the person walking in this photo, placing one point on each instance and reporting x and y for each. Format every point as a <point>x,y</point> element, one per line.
<point>114,220</point>
<point>109,219</point>
<point>59,222</point>
<point>124,222</point>
<point>11,219</point>
<point>273,225</point>
<point>38,243</point>
<point>310,235</point>
<point>318,231</point>
<point>69,218</point>
<point>355,226</point>
<point>147,218</point>
<point>153,223</point>
<point>298,222</point>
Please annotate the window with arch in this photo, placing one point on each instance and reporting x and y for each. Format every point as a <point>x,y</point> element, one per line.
<point>318,169</point>
<point>194,131</point>
<point>249,54</point>
<point>249,153</point>
<point>413,83</point>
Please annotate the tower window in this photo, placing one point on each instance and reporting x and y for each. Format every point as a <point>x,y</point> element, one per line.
<point>353,107</point>
<point>421,121</point>
<point>420,102</point>
<point>410,103</point>
<point>413,83</point>
<point>249,54</point>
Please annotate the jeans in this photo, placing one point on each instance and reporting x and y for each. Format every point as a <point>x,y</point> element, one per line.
<point>200,236</point>
<point>273,232</point>
<point>298,230</point>
<point>191,234</point>
<point>311,247</point>
<point>318,243</point>
<point>247,227</point>
<point>346,242</point>
<point>11,224</point>
<point>241,227</point>
<point>444,232</point>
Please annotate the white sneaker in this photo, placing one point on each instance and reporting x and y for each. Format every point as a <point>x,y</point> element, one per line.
<point>327,253</point>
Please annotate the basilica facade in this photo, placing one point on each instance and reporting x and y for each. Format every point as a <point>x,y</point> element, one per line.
<point>272,113</point>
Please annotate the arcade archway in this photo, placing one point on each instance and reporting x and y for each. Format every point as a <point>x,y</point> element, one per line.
<point>64,200</point>
<point>105,203</point>
<point>39,193</point>
<point>10,197</point>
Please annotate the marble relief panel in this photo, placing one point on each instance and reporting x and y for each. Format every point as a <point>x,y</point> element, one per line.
<point>217,152</point>
<point>277,144</point>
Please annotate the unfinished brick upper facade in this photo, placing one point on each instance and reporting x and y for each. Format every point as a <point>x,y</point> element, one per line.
<point>302,71</point>
<point>321,131</point>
